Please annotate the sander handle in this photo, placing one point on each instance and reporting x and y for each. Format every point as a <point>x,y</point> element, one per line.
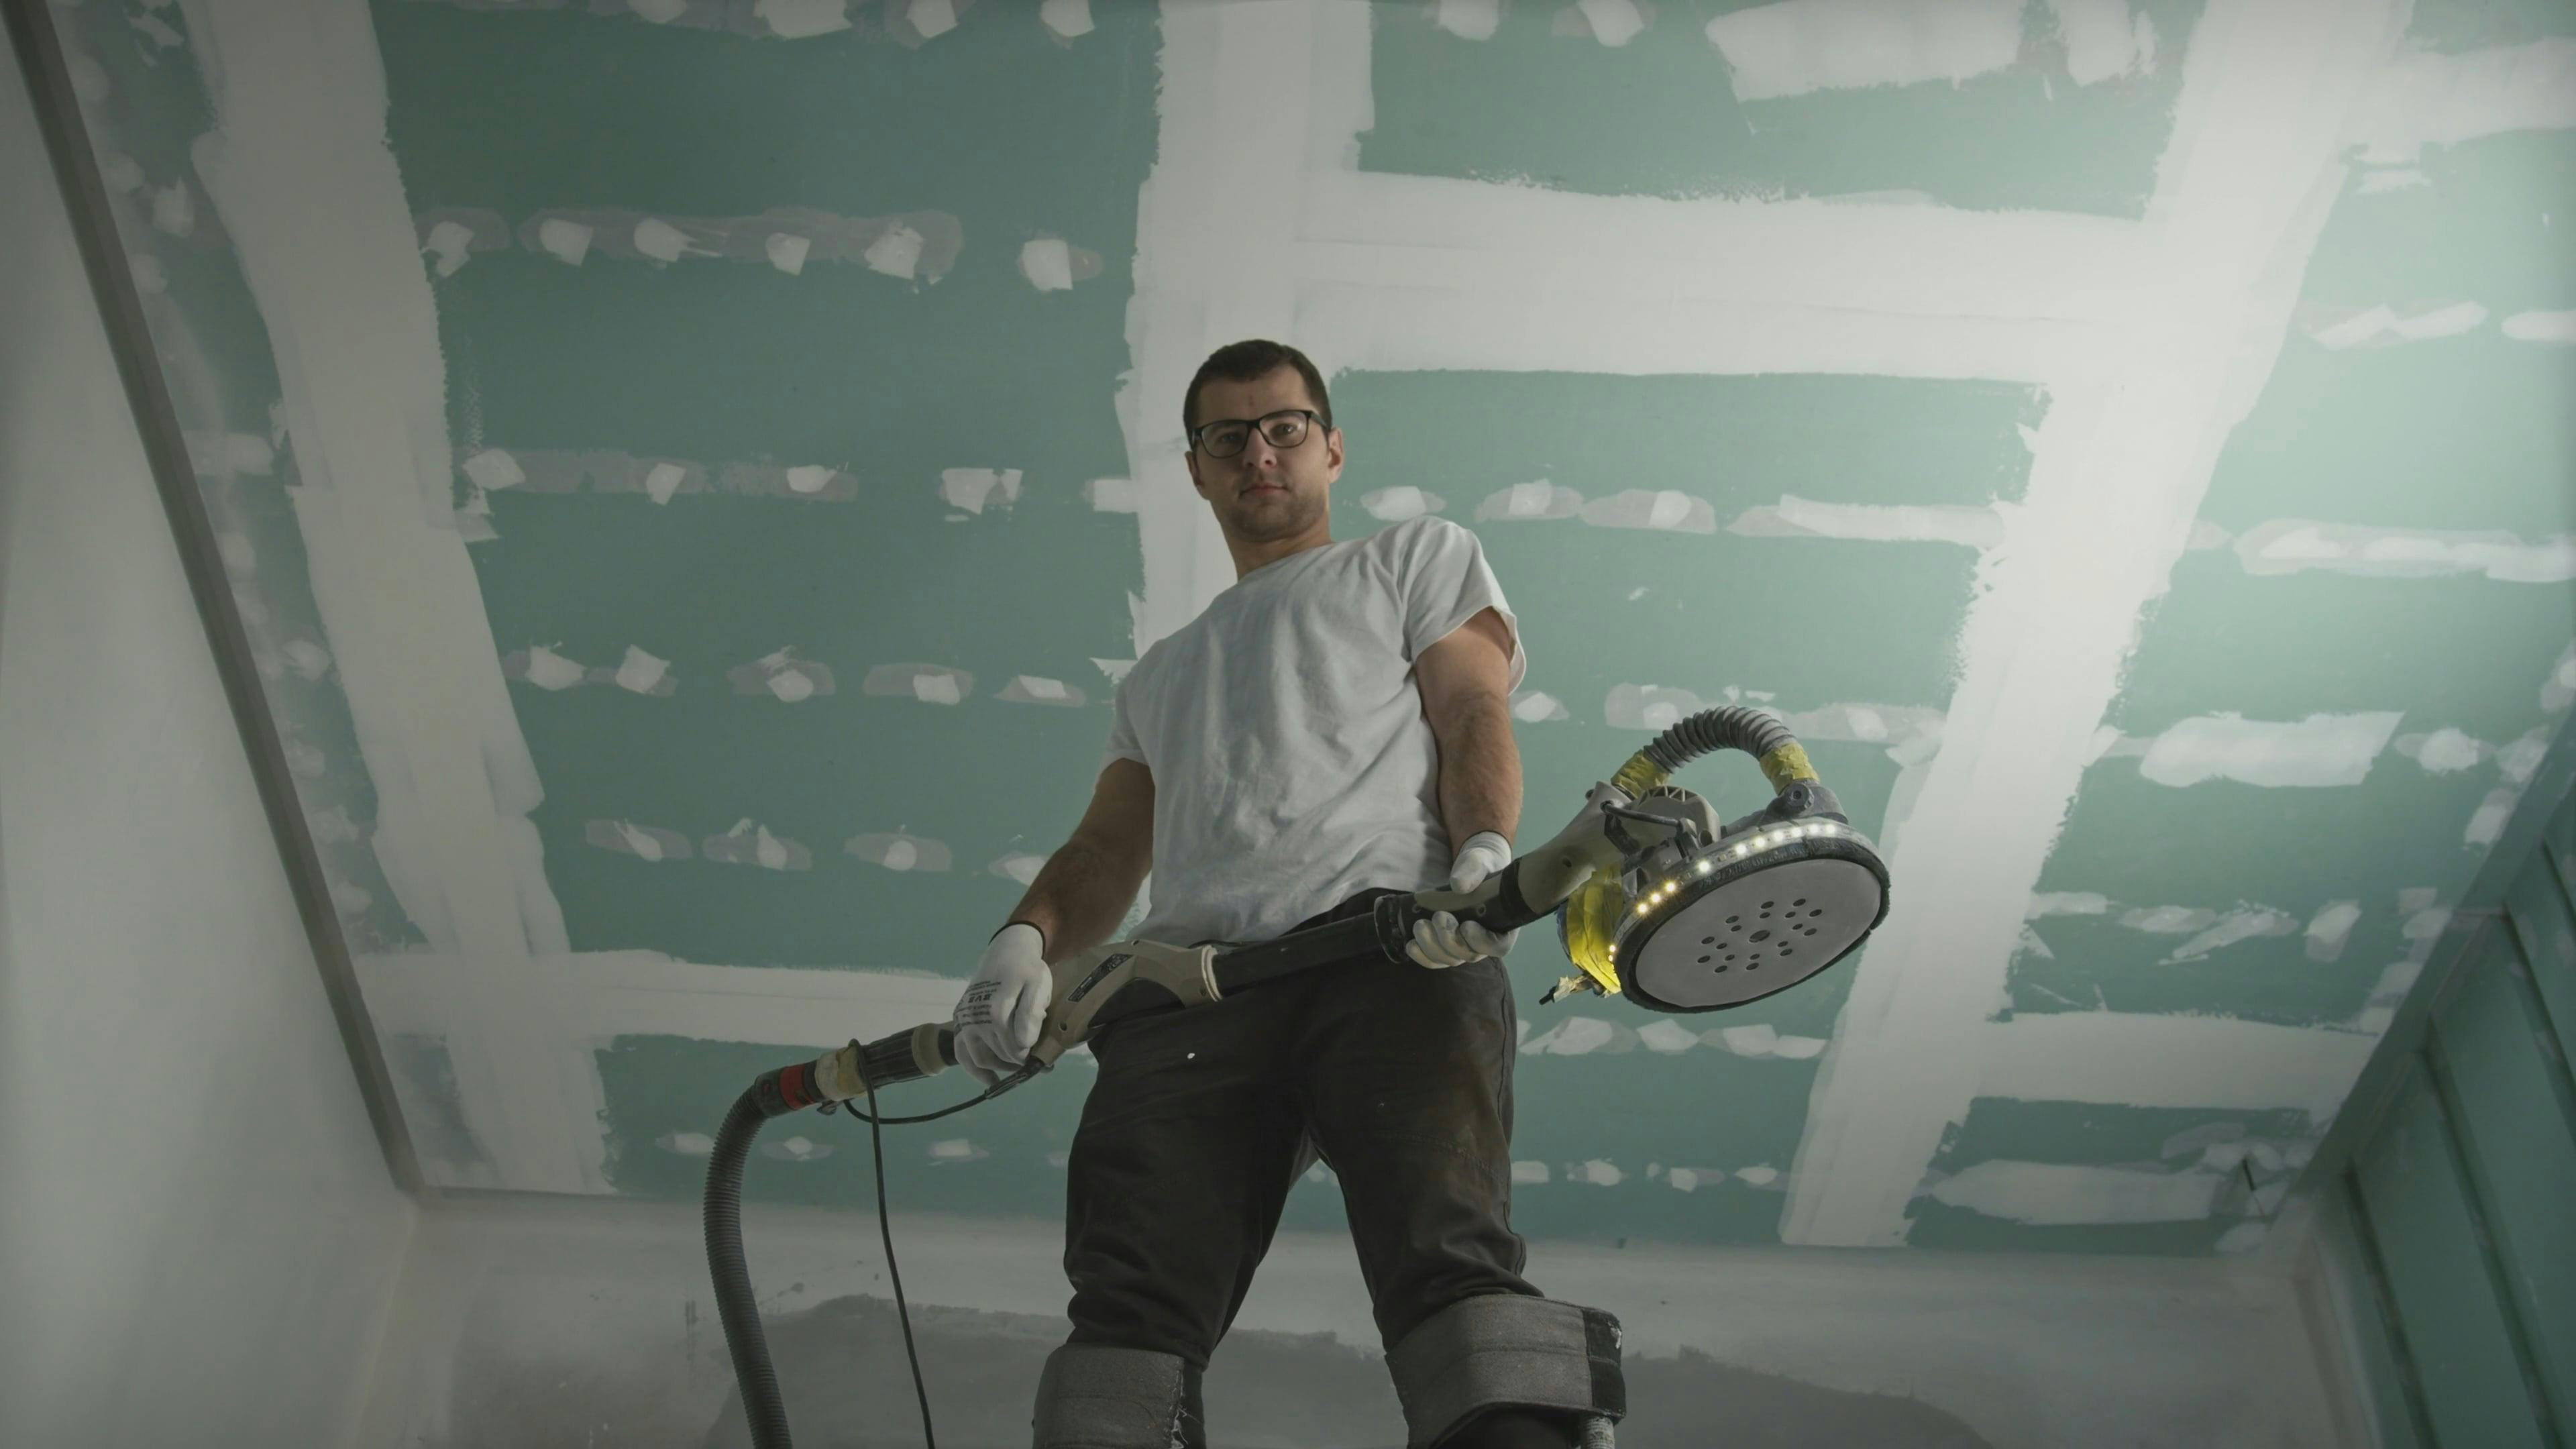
<point>1124,978</point>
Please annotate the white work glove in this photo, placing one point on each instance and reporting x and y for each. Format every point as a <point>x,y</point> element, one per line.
<point>1442,939</point>
<point>998,1018</point>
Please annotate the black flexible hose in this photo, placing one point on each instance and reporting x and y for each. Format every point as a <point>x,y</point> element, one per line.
<point>762,1407</point>
<point>1727,727</point>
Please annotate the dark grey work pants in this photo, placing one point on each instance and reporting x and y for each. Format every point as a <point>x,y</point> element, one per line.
<point>1195,1131</point>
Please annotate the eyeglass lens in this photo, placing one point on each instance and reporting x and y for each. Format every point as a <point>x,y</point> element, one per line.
<point>1283,430</point>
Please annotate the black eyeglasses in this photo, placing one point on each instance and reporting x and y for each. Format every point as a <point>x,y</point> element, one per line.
<point>1225,437</point>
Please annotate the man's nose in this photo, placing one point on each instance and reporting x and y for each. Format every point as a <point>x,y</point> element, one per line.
<point>1256,451</point>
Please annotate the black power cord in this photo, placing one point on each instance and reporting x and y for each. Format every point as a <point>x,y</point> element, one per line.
<point>885,1224</point>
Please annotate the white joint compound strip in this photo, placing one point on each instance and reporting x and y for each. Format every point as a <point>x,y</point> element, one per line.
<point>928,683</point>
<point>976,489</point>
<point>2557,328</point>
<point>1066,19</point>
<point>644,842</point>
<point>1537,706</point>
<point>1206,277</point>
<point>2558,691</point>
<point>901,853</point>
<point>1112,495</point>
<point>2339,329</point>
<point>2330,930</point>
<point>2154,1060</point>
<point>1800,46</point>
<point>2423,99</point>
<point>2245,923</point>
<point>912,245</point>
<point>2320,751</point>
<point>1037,689</point>
<point>2104,39</point>
<point>1394,505</point>
<point>2445,751</point>
<point>2295,545</point>
<point>298,171</point>
<point>2052,1194</point>
<point>1612,22</point>
<point>2121,463</point>
<point>783,677</point>
<point>1052,264</point>
<point>1577,1036</point>
<point>751,843</point>
<point>1022,867</point>
<point>1978,527</point>
<point>1468,19</point>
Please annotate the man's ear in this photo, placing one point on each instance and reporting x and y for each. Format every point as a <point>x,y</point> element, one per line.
<point>1333,451</point>
<point>1190,460</point>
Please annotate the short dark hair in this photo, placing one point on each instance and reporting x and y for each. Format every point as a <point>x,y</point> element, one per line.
<point>1250,361</point>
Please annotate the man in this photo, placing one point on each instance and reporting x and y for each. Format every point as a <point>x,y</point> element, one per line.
<point>1319,736</point>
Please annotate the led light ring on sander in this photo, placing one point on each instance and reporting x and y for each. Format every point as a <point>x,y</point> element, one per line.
<point>1749,916</point>
<point>1778,897</point>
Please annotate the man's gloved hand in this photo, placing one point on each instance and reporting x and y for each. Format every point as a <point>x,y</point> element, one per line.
<point>998,1018</point>
<point>1443,939</point>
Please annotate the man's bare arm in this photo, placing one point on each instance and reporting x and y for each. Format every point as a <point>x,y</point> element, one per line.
<point>1084,889</point>
<point>1465,681</point>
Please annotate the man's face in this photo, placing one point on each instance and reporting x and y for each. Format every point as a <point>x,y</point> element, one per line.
<point>1265,493</point>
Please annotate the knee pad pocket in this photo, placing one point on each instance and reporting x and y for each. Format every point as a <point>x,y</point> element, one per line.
<point>1505,1350</point>
<point>1098,1396</point>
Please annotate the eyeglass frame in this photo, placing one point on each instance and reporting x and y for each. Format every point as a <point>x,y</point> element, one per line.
<point>1196,437</point>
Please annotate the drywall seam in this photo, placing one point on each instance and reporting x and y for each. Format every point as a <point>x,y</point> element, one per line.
<point>2143,1060</point>
<point>2116,479</point>
<point>1932,261</point>
<point>299,169</point>
<point>2422,98</point>
<point>1608,327</point>
<point>598,995</point>
<point>1207,275</point>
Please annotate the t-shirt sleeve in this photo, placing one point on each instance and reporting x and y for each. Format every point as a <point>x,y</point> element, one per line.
<point>1123,743</point>
<point>1444,581</point>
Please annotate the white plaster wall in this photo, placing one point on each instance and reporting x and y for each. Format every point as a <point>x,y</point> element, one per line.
<point>198,1235</point>
<point>536,1318</point>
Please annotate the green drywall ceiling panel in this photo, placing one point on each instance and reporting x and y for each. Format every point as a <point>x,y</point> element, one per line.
<point>2293,848</point>
<point>1722,609</point>
<point>2462,652</point>
<point>2106,1134</point>
<point>2092,1134</point>
<point>2455,1327</point>
<point>2465,432</point>
<point>719,362</point>
<point>1659,117</point>
<point>997,123</point>
<point>2519,1142</point>
<point>712,582</point>
<point>2487,223</point>
<point>2094,963</point>
<point>146,122</point>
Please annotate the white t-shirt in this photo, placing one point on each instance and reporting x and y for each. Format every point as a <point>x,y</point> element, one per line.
<point>1293,766</point>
